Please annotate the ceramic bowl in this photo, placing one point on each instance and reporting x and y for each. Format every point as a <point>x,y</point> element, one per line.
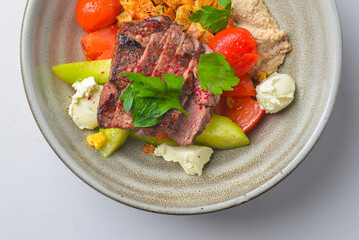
<point>51,36</point>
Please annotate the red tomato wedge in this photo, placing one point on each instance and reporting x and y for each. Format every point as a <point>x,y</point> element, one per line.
<point>245,88</point>
<point>99,45</point>
<point>246,112</point>
<point>238,46</point>
<point>93,15</point>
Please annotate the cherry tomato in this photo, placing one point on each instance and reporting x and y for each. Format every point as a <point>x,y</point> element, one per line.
<point>238,46</point>
<point>99,45</point>
<point>245,88</point>
<point>246,112</point>
<point>93,15</point>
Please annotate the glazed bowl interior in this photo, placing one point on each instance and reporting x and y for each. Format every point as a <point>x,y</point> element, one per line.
<point>279,143</point>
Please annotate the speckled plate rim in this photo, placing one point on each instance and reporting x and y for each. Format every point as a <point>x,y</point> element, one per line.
<point>61,152</point>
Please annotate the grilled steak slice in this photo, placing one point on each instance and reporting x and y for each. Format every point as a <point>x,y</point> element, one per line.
<point>154,46</point>
<point>200,108</point>
<point>135,41</point>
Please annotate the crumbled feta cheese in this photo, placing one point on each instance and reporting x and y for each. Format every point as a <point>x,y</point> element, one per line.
<point>83,108</point>
<point>192,158</point>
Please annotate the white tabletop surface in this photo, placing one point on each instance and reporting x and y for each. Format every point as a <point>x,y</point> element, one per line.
<point>41,199</point>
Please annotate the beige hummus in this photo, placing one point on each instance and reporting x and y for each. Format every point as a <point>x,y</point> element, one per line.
<point>272,43</point>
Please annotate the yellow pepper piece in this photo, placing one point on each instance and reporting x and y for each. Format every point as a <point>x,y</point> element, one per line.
<point>97,140</point>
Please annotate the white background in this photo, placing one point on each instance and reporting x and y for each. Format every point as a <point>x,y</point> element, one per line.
<point>41,199</point>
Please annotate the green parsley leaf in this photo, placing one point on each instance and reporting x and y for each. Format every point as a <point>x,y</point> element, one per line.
<point>215,73</point>
<point>213,18</point>
<point>226,4</point>
<point>149,97</point>
<point>145,112</point>
<point>127,97</point>
<point>174,86</point>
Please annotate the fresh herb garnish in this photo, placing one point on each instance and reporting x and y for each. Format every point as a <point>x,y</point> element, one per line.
<point>145,112</point>
<point>215,73</point>
<point>149,97</point>
<point>213,18</point>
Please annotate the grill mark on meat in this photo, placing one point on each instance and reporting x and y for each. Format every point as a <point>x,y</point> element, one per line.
<point>157,70</point>
<point>147,62</point>
<point>145,53</point>
<point>169,52</point>
<point>183,36</point>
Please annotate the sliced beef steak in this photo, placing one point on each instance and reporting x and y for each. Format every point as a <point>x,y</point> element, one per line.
<point>154,46</point>
<point>134,42</point>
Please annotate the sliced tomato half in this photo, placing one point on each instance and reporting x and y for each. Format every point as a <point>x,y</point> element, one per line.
<point>245,88</point>
<point>246,113</point>
<point>99,45</point>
